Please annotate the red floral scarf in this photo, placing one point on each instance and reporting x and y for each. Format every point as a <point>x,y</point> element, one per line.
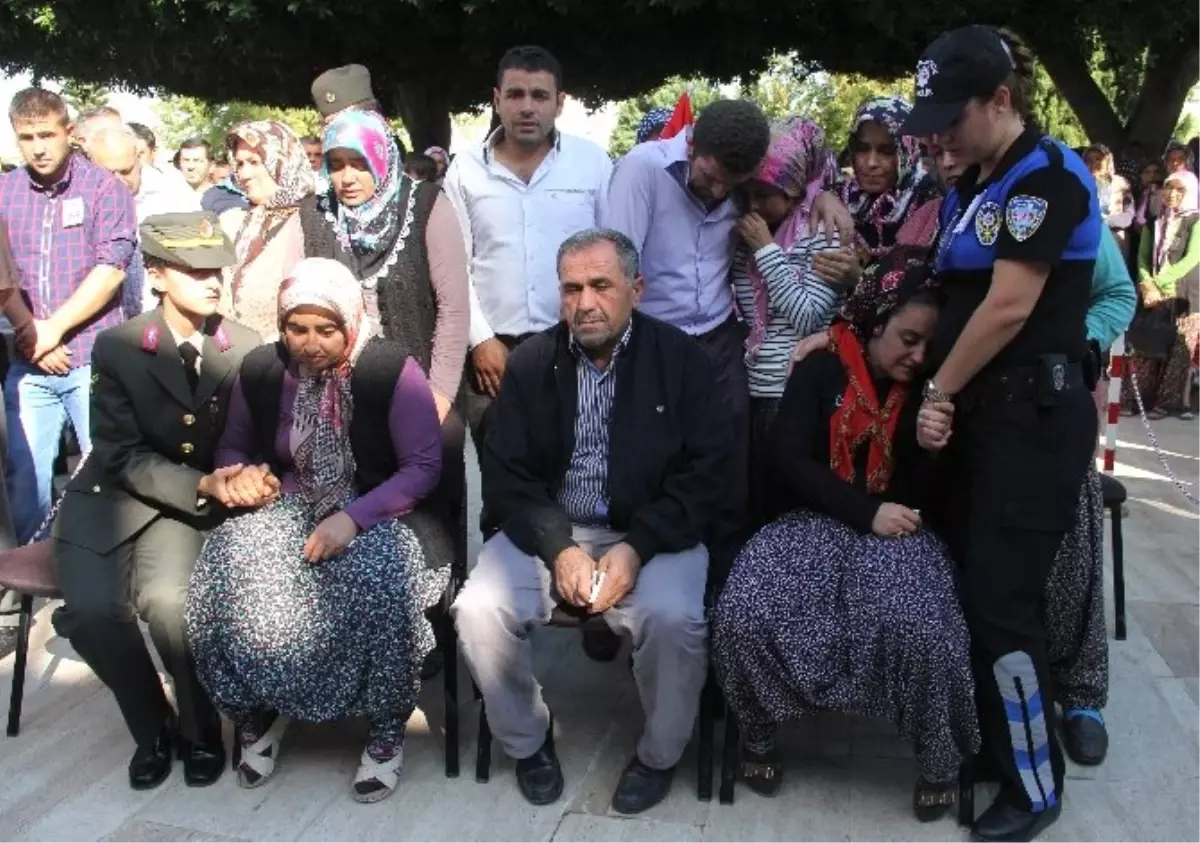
<point>859,418</point>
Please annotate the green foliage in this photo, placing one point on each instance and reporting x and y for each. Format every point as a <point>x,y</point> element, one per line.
<point>1053,113</point>
<point>831,100</point>
<point>787,87</point>
<point>630,112</point>
<point>186,117</point>
<point>83,96</point>
<point>1187,128</point>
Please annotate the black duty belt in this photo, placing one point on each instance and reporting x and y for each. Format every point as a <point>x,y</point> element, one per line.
<point>1042,384</point>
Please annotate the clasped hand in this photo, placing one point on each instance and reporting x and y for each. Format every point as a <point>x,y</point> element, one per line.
<point>249,486</point>
<point>934,424</point>
<point>574,568</point>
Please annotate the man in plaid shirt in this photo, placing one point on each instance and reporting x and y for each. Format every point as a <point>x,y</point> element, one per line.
<point>73,228</point>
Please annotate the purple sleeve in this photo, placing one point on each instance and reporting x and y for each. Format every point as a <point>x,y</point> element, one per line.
<point>417,439</point>
<point>237,439</point>
<point>116,226</point>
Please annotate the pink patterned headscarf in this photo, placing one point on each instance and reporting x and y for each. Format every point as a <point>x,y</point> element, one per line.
<point>799,164</point>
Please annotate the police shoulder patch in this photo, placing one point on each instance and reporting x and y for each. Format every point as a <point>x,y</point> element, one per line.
<point>987,223</point>
<point>1024,216</point>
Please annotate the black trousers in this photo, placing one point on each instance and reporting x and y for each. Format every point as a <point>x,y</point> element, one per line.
<point>1006,493</point>
<point>726,345</point>
<point>145,577</point>
<point>478,406</point>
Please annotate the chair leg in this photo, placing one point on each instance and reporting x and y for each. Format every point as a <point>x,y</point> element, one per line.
<point>704,751</point>
<point>18,682</point>
<point>966,792</point>
<point>1118,553</point>
<point>729,755</point>
<point>483,749</point>
<point>450,679</point>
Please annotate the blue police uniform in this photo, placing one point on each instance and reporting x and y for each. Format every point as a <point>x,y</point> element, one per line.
<point>1024,430</point>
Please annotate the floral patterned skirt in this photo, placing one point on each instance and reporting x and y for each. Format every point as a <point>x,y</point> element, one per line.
<point>816,617</point>
<point>273,633</point>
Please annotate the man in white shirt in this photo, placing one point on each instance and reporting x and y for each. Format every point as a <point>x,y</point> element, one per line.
<point>154,192</point>
<point>519,196</point>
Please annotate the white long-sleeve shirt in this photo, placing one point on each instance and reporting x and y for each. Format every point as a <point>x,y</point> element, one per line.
<point>513,230</point>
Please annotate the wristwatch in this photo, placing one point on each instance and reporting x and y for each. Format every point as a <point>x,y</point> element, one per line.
<point>930,392</point>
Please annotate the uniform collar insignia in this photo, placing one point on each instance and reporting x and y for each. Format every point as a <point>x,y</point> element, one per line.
<point>150,338</point>
<point>216,329</point>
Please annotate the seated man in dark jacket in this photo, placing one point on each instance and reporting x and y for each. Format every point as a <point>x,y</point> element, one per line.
<point>134,516</point>
<point>603,466</point>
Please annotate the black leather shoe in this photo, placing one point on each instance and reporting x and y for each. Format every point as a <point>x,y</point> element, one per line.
<point>203,763</point>
<point>641,788</point>
<point>151,765</point>
<point>599,641</point>
<point>539,777</point>
<point>1004,822</point>
<point>1085,739</point>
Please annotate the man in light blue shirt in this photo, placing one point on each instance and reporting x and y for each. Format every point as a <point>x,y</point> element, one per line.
<point>672,199</point>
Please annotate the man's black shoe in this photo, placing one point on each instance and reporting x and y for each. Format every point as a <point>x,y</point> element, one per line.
<point>203,763</point>
<point>1003,822</point>
<point>151,765</point>
<point>1085,739</point>
<point>599,641</point>
<point>539,777</point>
<point>641,788</point>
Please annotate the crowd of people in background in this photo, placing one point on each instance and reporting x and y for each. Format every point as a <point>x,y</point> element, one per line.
<point>828,426</point>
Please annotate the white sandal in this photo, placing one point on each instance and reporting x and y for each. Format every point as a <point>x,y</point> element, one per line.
<point>386,773</point>
<point>259,758</point>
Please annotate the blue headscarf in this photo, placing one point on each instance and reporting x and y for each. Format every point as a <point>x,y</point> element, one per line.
<point>370,226</point>
<point>654,119</point>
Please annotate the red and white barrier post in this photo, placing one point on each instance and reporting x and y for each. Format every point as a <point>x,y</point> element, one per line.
<point>1112,418</point>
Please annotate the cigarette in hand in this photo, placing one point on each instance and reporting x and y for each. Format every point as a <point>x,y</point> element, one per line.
<point>597,584</point>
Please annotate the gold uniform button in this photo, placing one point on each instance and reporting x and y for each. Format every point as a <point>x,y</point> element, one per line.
<point>187,447</point>
<point>189,420</point>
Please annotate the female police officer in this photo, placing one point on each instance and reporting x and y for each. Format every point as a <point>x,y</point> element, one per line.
<point>1007,401</point>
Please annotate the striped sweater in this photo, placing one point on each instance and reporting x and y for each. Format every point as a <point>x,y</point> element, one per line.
<point>799,304</point>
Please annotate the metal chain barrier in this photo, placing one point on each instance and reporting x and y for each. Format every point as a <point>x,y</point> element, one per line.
<point>44,530</point>
<point>1162,459</point>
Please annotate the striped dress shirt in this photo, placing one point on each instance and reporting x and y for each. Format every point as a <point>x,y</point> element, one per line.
<point>799,304</point>
<point>60,232</point>
<point>584,492</point>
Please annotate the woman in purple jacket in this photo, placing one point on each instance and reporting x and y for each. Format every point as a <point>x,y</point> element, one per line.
<point>310,604</point>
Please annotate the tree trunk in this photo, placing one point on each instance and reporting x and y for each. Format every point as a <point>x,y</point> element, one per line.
<point>1071,74</point>
<point>1171,70</point>
<point>1170,73</point>
<point>426,114</point>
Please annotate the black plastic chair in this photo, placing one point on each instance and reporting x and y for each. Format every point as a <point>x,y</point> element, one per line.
<point>28,571</point>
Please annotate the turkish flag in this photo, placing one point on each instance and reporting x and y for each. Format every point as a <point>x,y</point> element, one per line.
<point>681,117</point>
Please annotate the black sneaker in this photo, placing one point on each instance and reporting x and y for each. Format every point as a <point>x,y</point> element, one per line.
<point>1085,738</point>
<point>1002,822</point>
<point>641,788</point>
<point>539,777</point>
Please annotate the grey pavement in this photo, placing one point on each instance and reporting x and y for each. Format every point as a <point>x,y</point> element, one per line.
<point>64,776</point>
